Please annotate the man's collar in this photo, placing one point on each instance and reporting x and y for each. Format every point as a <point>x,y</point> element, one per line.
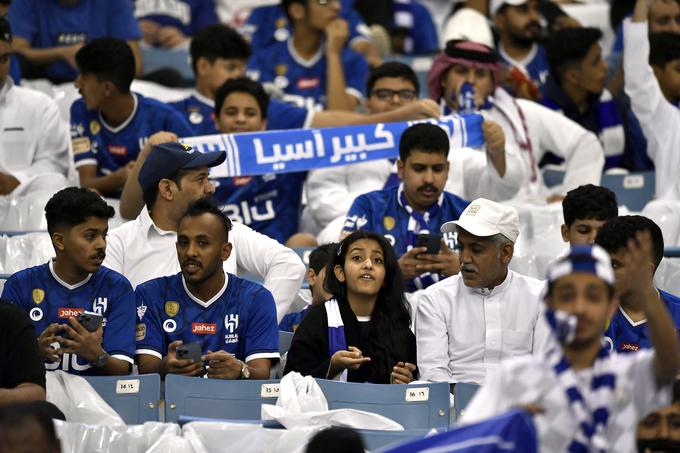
<point>497,289</point>
<point>212,300</point>
<point>149,226</point>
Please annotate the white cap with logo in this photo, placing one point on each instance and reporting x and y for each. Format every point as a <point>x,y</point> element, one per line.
<point>485,218</point>
<point>496,5</point>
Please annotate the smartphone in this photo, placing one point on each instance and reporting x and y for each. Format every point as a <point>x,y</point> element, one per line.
<point>431,241</point>
<point>91,321</point>
<point>191,351</point>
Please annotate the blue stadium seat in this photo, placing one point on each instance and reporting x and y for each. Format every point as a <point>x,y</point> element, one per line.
<point>217,398</point>
<point>135,398</point>
<point>633,190</point>
<point>178,60</point>
<point>377,438</point>
<point>462,394</point>
<point>552,177</point>
<point>416,406</point>
<point>285,338</point>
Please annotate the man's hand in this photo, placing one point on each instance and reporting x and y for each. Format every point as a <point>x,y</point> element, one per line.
<point>81,341</point>
<point>445,262</point>
<point>68,54</point>
<point>170,37</point>
<point>157,139</point>
<point>222,365</point>
<point>351,359</point>
<point>636,260</point>
<point>337,32</point>
<point>408,263</point>
<point>402,373</point>
<point>641,10</point>
<point>494,137</point>
<point>7,183</point>
<point>45,341</point>
<point>187,367</point>
<point>554,199</point>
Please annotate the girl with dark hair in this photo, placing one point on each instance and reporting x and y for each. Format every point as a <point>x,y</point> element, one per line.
<point>362,334</point>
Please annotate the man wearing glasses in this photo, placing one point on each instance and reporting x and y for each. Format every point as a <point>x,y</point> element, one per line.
<point>391,86</point>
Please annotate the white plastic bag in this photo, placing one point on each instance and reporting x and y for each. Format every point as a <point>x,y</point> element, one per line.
<point>79,402</point>
<point>301,403</point>
<point>87,438</point>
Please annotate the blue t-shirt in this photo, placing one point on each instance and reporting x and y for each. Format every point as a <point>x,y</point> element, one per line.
<point>187,15</point>
<point>48,23</point>
<point>269,204</point>
<point>267,25</point>
<point>380,211</point>
<point>416,19</point>
<point>626,336</point>
<point>304,83</point>
<point>96,143</point>
<point>47,299</point>
<point>537,67</point>
<point>198,111</point>
<point>292,321</point>
<point>240,319</point>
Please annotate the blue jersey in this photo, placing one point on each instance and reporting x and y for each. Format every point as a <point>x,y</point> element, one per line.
<point>536,65</point>
<point>47,299</point>
<point>96,143</point>
<point>267,25</point>
<point>269,204</point>
<point>189,16</point>
<point>292,321</point>
<point>240,319</point>
<point>381,212</point>
<point>304,82</point>
<point>198,110</point>
<point>415,18</point>
<point>627,336</point>
<point>49,23</point>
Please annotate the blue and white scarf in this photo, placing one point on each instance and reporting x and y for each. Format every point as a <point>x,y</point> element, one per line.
<point>336,332</point>
<point>417,224</point>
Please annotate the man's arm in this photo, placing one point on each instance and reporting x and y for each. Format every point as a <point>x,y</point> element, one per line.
<point>418,110</point>
<point>46,55</point>
<point>337,97</point>
<point>433,341</point>
<point>22,393</point>
<point>104,184</point>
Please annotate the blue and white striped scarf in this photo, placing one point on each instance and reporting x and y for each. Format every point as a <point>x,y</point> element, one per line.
<point>417,224</point>
<point>336,332</point>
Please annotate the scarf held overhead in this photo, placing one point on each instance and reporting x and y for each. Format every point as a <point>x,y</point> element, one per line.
<point>295,150</point>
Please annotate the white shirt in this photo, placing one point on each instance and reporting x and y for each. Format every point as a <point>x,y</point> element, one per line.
<point>141,251</point>
<point>530,380</point>
<point>525,121</point>
<point>659,119</point>
<point>34,140</point>
<point>331,191</point>
<point>463,332</point>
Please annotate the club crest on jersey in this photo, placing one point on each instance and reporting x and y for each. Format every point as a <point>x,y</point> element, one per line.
<point>280,69</point>
<point>94,127</point>
<point>172,308</point>
<point>389,222</point>
<point>38,296</point>
<point>281,22</point>
<point>231,324</point>
<point>99,305</point>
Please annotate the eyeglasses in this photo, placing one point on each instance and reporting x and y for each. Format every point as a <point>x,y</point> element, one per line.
<point>385,94</point>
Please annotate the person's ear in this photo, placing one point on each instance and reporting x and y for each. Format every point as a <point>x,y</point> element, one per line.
<point>507,251</point>
<point>226,251</point>
<point>202,66</point>
<point>565,232</point>
<point>339,273</point>
<point>572,76</point>
<point>166,189</point>
<point>400,168</point>
<point>311,277</point>
<point>58,241</point>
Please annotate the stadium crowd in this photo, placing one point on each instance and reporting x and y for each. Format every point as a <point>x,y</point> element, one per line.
<point>410,274</point>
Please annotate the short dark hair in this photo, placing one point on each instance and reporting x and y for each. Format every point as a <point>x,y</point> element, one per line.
<point>321,255</point>
<point>108,59</point>
<point>73,206</point>
<point>151,194</point>
<point>16,415</point>
<point>568,47</point>
<point>664,47</point>
<point>615,234</point>
<point>218,41</point>
<point>423,137</point>
<point>588,202</point>
<point>242,85</point>
<point>206,205</point>
<point>285,4</point>
<point>394,69</point>
<point>336,439</point>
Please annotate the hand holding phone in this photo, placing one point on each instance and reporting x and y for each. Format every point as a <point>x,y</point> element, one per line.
<point>189,351</point>
<point>430,241</point>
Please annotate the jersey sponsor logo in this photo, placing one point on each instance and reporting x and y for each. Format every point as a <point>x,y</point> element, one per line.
<point>69,312</point>
<point>389,222</point>
<point>35,314</point>
<point>626,346</point>
<point>141,311</point>
<point>99,305</point>
<point>38,296</point>
<point>308,83</point>
<point>118,150</point>
<point>67,39</point>
<point>81,145</point>
<point>68,361</point>
<point>241,180</point>
<point>203,328</point>
<point>169,325</point>
<point>244,213</point>
<point>140,332</point>
<point>95,127</point>
<point>172,308</point>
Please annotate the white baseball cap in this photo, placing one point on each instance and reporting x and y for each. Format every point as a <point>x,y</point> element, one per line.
<point>496,5</point>
<point>469,25</point>
<point>485,218</point>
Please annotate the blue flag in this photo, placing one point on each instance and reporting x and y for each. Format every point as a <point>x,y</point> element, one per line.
<point>259,153</point>
<point>509,432</point>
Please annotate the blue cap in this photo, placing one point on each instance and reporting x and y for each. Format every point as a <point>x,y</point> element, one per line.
<point>167,158</point>
<point>592,259</point>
